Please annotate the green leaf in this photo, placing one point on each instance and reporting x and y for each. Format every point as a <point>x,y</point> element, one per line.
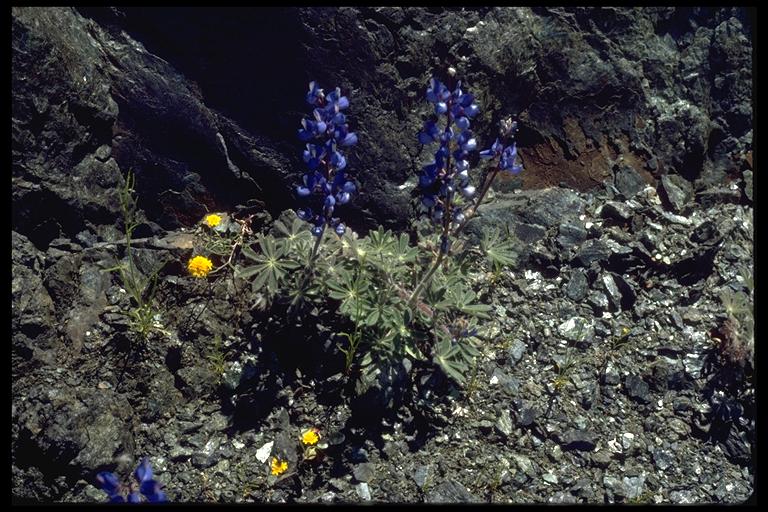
<point>373,317</point>
<point>497,250</point>
<point>248,252</point>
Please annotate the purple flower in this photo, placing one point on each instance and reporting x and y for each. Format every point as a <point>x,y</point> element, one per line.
<point>507,161</point>
<point>326,183</point>
<point>438,181</point>
<point>148,486</point>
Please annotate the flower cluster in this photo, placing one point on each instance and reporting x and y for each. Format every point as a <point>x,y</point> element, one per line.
<point>310,437</point>
<point>326,177</point>
<point>507,155</point>
<point>199,266</point>
<point>449,171</point>
<point>278,467</point>
<point>212,220</point>
<point>148,486</point>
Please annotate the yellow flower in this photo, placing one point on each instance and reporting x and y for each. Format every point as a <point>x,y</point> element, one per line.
<point>212,220</point>
<point>278,466</point>
<point>310,437</point>
<point>199,266</point>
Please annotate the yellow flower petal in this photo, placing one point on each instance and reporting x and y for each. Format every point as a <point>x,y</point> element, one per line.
<point>278,466</point>
<point>310,437</point>
<point>212,220</point>
<point>199,266</point>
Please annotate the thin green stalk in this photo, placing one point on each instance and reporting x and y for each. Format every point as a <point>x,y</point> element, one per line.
<point>480,197</point>
<point>425,280</point>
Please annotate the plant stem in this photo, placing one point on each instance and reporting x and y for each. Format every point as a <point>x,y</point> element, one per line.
<point>480,197</point>
<point>425,280</point>
<point>310,263</point>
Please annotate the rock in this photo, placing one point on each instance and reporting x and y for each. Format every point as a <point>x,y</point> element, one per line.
<point>450,491</point>
<point>592,251</point>
<point>581,440</point>
<point>516,351</point>
<point>598,301</point>
<point>576,329</point>
<point>675,192</point>
<point>525,464</point>
<point>637,389</point>
<point>562,497</point>
<point>363,491</point>
<point>529,233</point>
<point>601,458</point>
<point>612,290</point>
<point>549,478</point>
<point>510,384</point>
<point>420,475</point>
<point>663,458</point>
<point>364,472</point>
<point>527,416</point>
<point>628,181</point>
<point>615,211</point>
<point>577,286</point>
<point>504,423</point>
<point>263,453</point>
<point>76,425</point>
<point>571,235</point>
<point>614,486</point>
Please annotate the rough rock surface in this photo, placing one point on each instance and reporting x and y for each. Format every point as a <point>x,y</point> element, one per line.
<point>609,373</point>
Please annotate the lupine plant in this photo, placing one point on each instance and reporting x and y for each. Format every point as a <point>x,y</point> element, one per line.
<point>401,301</point>
<point>148,487</point>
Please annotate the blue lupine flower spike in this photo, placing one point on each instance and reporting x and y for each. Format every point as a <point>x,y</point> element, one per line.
<point>449,171</point>
<point>148,486</point>
<point>326,182</point>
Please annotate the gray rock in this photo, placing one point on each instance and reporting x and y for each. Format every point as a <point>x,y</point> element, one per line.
<point>628,181</point>
<point>581,440</point>
<point>504,423</point>
<point>571,235</point>
<point>363,491</point>
<point>611,290</point>
<point>601,458</point>
<point>598,301</point>
<point>364,472</point>
<point>592,251</point>
<point>675,192</point>
<point>510,384</point>
<point>614,486</point>
<point>562,497</point>
<point>527,415</point>
<point>637,389</point>
<point>576,329</point>
<point>450,491</point>
<point>634,486</point>
<point>525,464</point>
<point>577,286</point>
<point>663,458</point>
<point>420,475</point>
<point>516,351</point>
<point>616,211</point>
<point>550,478</point>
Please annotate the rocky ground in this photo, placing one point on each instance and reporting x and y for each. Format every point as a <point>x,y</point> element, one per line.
<point>618,363</point>
<point>601,380</point>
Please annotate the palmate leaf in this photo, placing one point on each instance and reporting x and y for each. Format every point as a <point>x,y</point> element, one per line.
<point>351,291</point>
<point>271,265</point>
<point>455,356</point>
<point>448,358</point>
<point>461,299</point>
<point>380,244</point>
<point>296,236</point>
<point>499,251</point>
